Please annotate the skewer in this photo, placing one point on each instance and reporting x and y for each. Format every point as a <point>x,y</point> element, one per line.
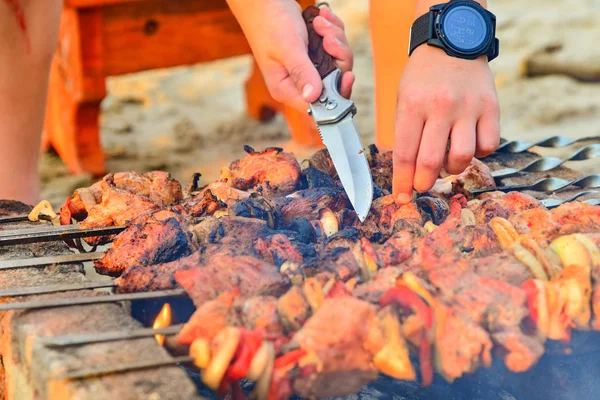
<point>54,233</point>
<point>545,164</point>
<point>79,301</point>
<point>14,218</point>
<point>124,367</point>
<point>546,185</point>
<point>91,338</point>
<point>553,203</point>
<point>34,290</point>
<point>50,260</point>
<point>519,146</point>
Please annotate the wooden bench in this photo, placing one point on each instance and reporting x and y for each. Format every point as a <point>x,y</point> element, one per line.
<point>101,38</point>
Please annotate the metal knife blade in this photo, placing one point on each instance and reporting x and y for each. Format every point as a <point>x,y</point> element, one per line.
<point>333,115</point>
<point>350,161</point>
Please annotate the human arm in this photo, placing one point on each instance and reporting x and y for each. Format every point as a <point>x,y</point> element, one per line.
<point>441,99</point>
<point>278,37</point>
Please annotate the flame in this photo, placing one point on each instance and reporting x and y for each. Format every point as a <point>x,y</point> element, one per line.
<point>163,319</point>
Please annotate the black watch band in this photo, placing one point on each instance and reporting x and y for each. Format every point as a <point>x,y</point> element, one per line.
<point>420,32</point>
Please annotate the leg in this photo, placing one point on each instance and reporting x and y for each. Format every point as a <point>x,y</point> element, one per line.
<point>25,59</point>
<point>390,22</point>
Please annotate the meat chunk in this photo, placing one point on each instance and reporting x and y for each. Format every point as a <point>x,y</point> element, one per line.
<point>476,176</point>
<point>155,239</point>
<point>224,192</point>
<point>384,216</point>
<point>383,280</point>
<point>275,172</point>
<point>461,345</point>
<point>382,166</point>
<point>142,278</point>
<point>345,353</point>
<point>503,205</point>
<point>307,203</point>
<point>321,160</point>
<point>224,273</point>
<point>278,248</point>
<point>293,309</point>
<point>157,189</point>
<point>261,312</point>
<point>210,318</point>
<point>200,205</point>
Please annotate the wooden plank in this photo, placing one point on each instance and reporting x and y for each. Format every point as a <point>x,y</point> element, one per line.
<point>161,34</point>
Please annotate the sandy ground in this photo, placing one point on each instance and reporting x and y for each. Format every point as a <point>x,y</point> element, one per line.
<point>192,119</point>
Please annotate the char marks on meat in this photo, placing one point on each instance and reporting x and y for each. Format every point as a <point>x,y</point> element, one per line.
<point>276,254</point>
<point>274,171</point>
<point>158,238</point>
<point>220,273</point>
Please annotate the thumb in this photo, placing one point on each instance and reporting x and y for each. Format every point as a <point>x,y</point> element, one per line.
<point>305,76</point>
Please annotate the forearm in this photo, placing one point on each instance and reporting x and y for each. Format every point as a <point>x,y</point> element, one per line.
<point>424,5</point>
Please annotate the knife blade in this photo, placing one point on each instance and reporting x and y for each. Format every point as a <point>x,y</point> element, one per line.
<point>333,115</point>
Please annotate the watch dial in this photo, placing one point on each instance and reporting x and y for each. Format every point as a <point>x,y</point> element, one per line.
<point>464,28</point>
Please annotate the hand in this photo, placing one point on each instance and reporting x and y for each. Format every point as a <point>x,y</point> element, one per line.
<point>278,37</point>
<point>441,99</point>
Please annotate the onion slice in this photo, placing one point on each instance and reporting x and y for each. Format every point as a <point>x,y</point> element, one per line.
<point>223,349</point>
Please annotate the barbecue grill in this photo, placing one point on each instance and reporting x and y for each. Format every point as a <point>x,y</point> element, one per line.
<point>66,334</point>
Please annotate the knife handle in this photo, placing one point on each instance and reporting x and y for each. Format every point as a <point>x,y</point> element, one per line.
<point>323,61</point>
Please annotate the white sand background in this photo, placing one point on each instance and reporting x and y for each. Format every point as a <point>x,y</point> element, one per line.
<point>191,119</point>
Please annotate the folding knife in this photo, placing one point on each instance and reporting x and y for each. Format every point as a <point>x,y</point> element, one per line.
<point>334,117</point>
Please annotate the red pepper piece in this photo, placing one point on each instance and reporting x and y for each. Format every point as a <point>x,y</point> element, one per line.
<point>223,387</point>
<point>337,290</point>
<point>289,358</point>
<point>250,341</point>
<point>532,292</point>
<point>406,298</point>
<point>425,360</point>
<point>281,387</point>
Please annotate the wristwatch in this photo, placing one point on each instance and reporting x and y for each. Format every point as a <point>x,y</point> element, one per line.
<point>462,28</point>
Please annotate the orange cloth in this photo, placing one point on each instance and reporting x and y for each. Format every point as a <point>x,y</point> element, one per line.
<point>390,22</point>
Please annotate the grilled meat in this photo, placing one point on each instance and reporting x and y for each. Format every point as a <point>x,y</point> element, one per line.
<point>158,238</point>
<point>223,273</point>
<point>142,278</point>
<point>476,176</point>
<point>382,166</point>
<point>273,172</point>
<point>342,356</point>
<point>117,194</point>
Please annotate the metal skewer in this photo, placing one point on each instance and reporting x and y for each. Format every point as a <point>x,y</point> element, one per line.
<point>79,301</point>
<point>34,290</point>
<point>112,336</point>
<point>14,218</point>
<point>50,260</point>
<point>546,185</point>
<point>124,367</point>
<point>53,233</point>
<point>545,164</point>
<point>553,203</point>
<point>519,146</point>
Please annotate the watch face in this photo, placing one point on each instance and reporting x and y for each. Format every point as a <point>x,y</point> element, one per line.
<point>464,28</point>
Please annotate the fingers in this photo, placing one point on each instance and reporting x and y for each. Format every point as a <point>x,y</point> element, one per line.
<point>432,152</point>
<point>335,42</point>
<point>346,84</point>
<point>303,74</point>
<point>331,17</point>
<point>488,130</point>
<point>407,136</point>
<point>462,146</point>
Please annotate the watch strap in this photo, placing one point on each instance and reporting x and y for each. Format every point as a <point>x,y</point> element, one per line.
<point>420,32</point>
